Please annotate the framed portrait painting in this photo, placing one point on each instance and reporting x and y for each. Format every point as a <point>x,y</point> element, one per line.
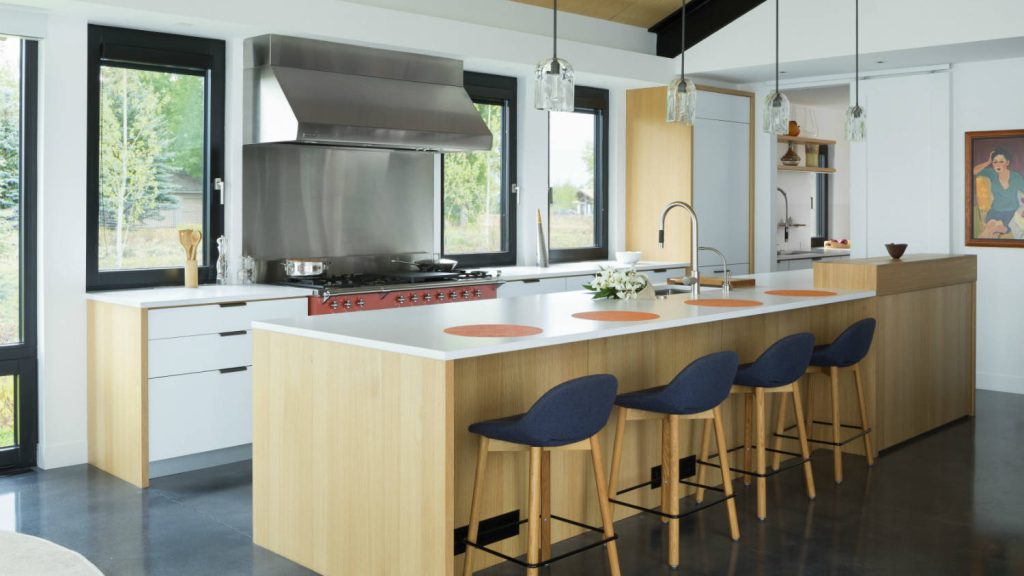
<point>994,203</point>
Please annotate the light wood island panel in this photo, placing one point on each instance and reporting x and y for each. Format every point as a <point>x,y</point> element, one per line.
<point>363,463</point>
<point>925,341</point>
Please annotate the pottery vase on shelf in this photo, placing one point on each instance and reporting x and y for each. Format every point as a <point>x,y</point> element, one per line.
<point>791,158</point>
<point>794,128</point>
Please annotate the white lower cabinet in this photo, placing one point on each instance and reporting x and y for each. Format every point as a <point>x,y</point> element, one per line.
<point>529,287</point>
<point>190,354</point>
<point>195,413</point>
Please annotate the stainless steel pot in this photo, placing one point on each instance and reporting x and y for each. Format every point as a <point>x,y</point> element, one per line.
<point>301,268</point>
<point>430,264</point>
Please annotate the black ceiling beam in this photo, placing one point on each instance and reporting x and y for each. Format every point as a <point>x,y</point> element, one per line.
<point>703,18</point>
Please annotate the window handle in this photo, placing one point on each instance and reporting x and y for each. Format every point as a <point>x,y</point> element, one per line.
<point>515,190</point>
<point>218,185</point>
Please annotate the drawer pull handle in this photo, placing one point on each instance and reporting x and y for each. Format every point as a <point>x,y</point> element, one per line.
<point>659,270</point>
<point>531,281</point>
<point>234,333</point>
<point>232,304</point>
<point>230,370</point>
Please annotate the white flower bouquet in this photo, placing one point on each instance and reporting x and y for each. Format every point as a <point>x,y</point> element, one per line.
<point>622,284</point>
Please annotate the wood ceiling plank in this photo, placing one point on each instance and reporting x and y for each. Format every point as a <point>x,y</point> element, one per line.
<point>644,13</point>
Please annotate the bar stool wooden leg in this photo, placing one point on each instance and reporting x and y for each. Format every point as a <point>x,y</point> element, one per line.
<point>748,407</point>
<point>672,473</point>
<point>666,440</point>
<point>805,451</point>
<point>705,451</point>
<point>545,505</point>
<point>762,487</point>
<point>723,462</point>
<point>620,433</point>
<point>837,450</point>
<point>533,522</point>
<point>474,508</point>
<point>780,428</point>
<point>868,449</point>
<point>606,513</point>
<point>810,403</point>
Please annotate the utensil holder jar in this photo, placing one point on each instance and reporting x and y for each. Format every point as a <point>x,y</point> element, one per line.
<point>191,274</point>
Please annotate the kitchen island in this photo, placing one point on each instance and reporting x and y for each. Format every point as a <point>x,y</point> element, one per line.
<point>362,462</point>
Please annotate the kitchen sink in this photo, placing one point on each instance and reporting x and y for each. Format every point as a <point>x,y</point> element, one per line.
<point>671,289</point>
<point>796,252</point>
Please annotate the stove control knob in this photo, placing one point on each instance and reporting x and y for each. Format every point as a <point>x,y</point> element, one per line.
<point>400,299</point>
<point>441,296</point>
<point>414,298</point>
<point>465,293</point>
<point>333,305</point>
<point>477,293</point>
<point>453,295</point>
<point>427,296</point>
<point>346,305</point>
<point>361,303</point>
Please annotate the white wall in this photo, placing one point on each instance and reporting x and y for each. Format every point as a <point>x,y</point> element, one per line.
<point>906,158</point>
<point>62,362</point>
<point>987,96</point>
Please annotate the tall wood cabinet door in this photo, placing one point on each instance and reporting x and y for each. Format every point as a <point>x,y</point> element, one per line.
<point>721,188</point>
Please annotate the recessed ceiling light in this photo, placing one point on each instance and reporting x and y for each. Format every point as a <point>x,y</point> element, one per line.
<point>879,61</point>
<point>782,71</point>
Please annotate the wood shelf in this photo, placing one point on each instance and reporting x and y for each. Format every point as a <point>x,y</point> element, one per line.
<point>804,140</point>
<point>785,168</point>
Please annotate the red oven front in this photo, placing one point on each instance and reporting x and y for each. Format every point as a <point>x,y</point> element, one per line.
<point>400,298</point>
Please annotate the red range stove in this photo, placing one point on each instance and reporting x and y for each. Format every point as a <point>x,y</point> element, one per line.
<point>354,292</point>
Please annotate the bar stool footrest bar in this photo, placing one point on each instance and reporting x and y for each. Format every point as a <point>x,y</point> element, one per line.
<point>788,465</point>
<point>860,434</point>
<point>551,560</point>
<point>681,515</point>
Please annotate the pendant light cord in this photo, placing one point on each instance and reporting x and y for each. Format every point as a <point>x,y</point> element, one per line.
<point>554,33</point>
<point>856,43</point>
<point>776,48</point>
<point>682,52</point>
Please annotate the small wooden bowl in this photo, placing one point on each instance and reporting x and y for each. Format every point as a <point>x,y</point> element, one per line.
<point>896,250</point>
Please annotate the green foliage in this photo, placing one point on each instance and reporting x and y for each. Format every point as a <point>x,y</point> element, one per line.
<point>563,197</point>
<point>10,123</point>
<point>7,411</point>
<point>472,180</point>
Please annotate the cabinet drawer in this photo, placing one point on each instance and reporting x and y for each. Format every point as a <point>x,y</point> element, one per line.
<point>577,282</point>
<point>661,276</point>
<point>188,354</point>
<point>529,287</point>
<point>199,412</point>
<point>216,318</point>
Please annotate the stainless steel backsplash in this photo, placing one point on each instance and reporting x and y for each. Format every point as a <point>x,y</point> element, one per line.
<point>306,201</point>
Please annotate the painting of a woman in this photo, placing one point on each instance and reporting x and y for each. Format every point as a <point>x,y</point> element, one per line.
<point>995,188</point>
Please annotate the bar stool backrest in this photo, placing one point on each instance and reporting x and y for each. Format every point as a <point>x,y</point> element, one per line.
<point>785,361</point>
<point>702,385</point>
<point>853,344</point>
<point>572,411</point>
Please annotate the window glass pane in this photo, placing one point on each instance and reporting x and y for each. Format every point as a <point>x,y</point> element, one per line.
<point>573,220</point>
<point>7,412</point>
<point>10,198</point>
<point>473,219</point>
<point>151,166</point>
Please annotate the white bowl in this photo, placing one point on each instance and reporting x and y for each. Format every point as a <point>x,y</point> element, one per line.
<point>628,257</point>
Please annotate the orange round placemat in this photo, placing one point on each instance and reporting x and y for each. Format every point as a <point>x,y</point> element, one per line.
<point>493,330</point>
<point>801,292</point>
<point>723,302</point>
<point>616,316</point>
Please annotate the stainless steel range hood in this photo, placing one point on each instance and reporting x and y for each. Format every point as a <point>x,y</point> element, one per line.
<point>309,91</point>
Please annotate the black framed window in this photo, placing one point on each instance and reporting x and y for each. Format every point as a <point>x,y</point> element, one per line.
<point>155,155</point>
<point>19,66</point>
<point>478,202</point>
<point>578,179</point>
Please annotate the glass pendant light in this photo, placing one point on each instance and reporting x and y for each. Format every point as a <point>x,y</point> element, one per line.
<point>555,87</point>
<point>776,105</point>
<point>855,119</point>
<point>681,97</point>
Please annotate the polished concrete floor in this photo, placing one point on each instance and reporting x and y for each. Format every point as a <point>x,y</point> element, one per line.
<point>948,503</point>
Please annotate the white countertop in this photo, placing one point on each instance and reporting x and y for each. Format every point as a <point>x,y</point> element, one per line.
<point>511,273</point>
<point>204,294</point>
<point>419,331</point>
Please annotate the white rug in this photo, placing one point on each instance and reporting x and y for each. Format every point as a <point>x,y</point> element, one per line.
<point>23,555</point>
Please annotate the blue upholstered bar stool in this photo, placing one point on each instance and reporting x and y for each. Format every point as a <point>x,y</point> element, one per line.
<point>567,417</point>
<point>843,354</point>
<point>694,394</point>
<point>777,371</point>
